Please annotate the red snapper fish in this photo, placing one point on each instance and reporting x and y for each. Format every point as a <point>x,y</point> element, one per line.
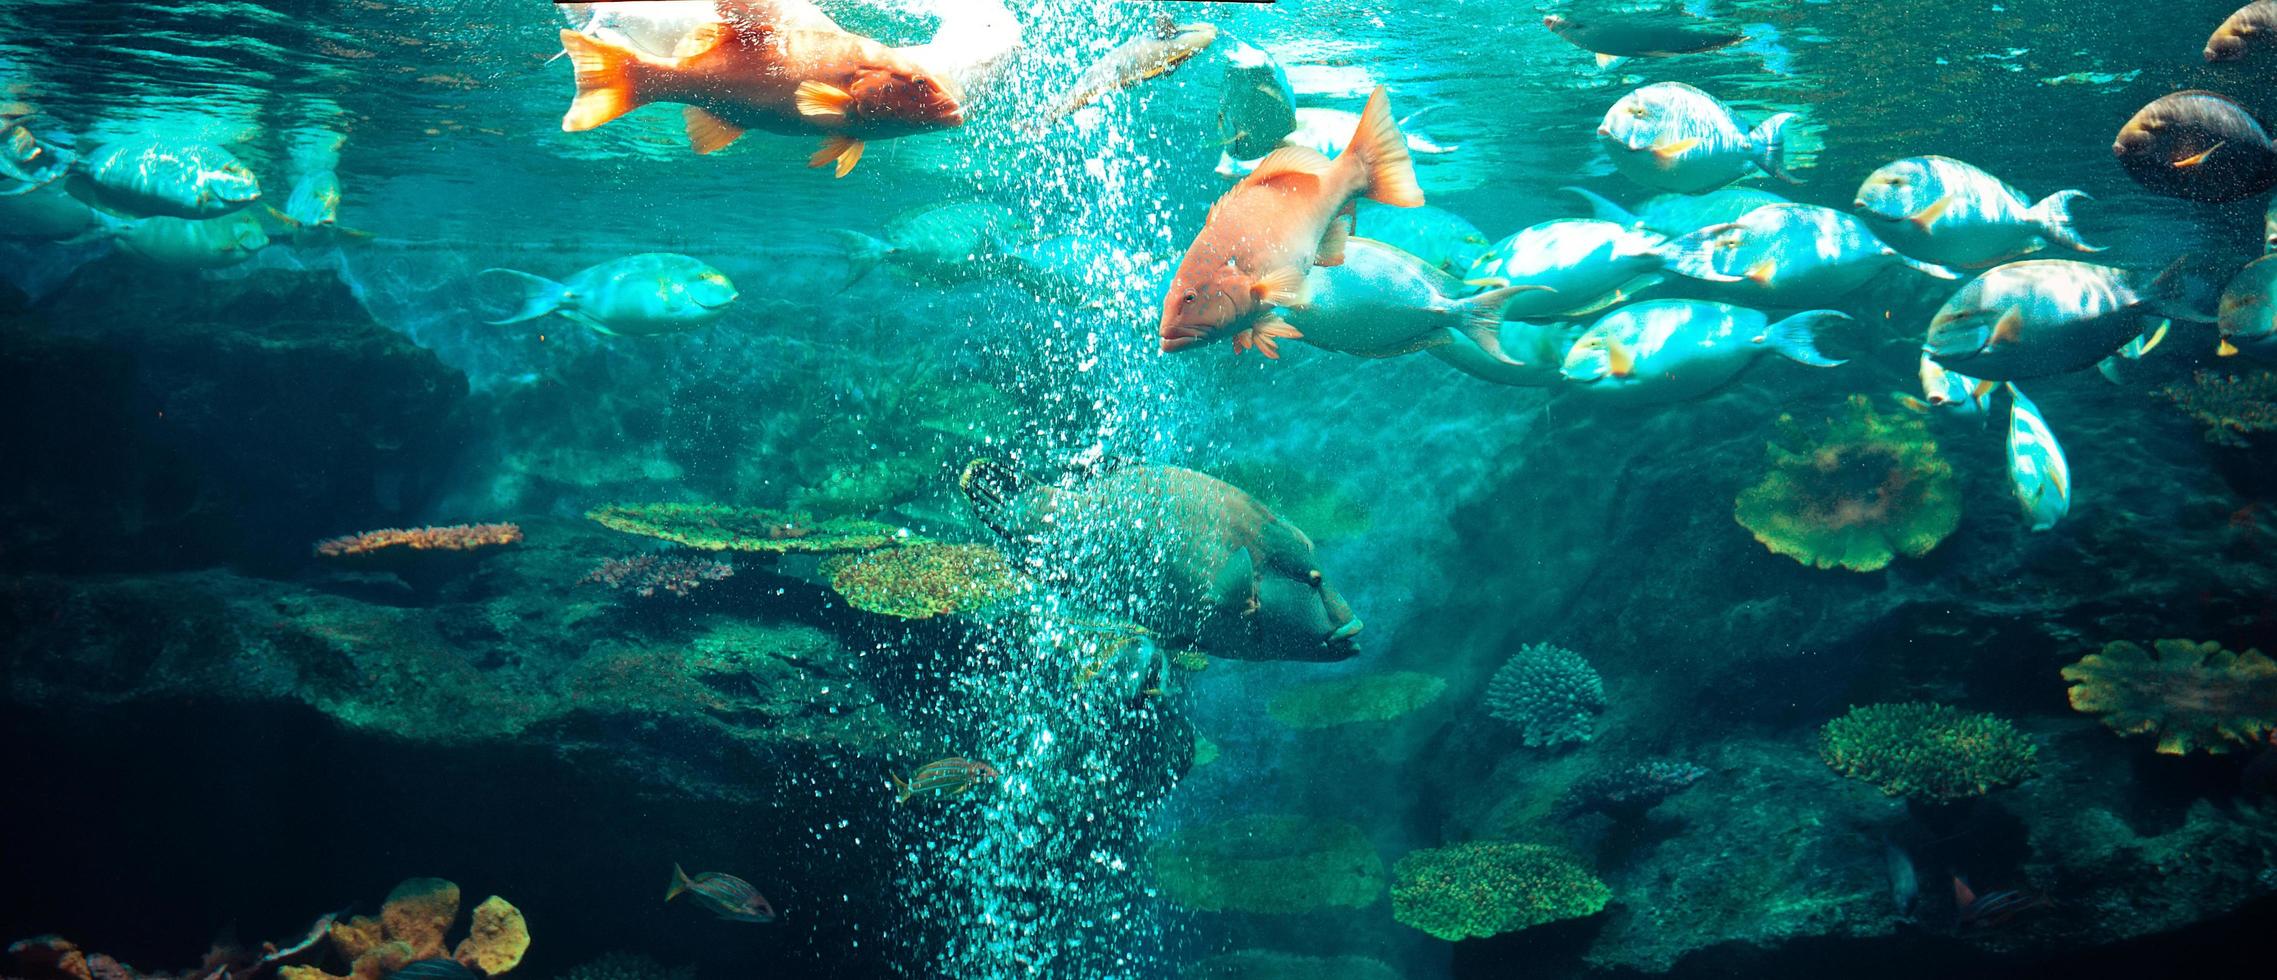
<point>758,67</point>
<point>1264,235</point>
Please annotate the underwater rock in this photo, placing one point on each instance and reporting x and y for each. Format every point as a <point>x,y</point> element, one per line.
<point>1268,864</point>
<point>1548,693</point>
<point>1482,889</point>
<point>1267,964</point>
<point>2191,695</point>
<point>1932,753</point>
<point>1863,490</point>
<point>1354,700</point>
<point>627,966</point>
<point>1629,791</point>
<point>213,422</point>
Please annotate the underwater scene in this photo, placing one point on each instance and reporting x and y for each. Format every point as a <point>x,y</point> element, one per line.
<point>1358,490</point>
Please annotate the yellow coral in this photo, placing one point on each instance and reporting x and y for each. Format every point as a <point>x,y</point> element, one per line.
<point>924,580</point>
<point>496,939</point>
<point>1867,488</point>
<point>418,912</point>
<point>2193,695</point>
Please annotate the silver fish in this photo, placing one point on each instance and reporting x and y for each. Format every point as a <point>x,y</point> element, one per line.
<point>1673,137</point>
<point>2040,317</point>
<point>1942,210</point>
<point>2036,467</point>
<point>1788,255</point>
<point>1673,350</point>
<point>639,295</point>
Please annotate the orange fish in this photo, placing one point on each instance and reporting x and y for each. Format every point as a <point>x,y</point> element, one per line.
<point>748,71</point>
<point>1292,213</point>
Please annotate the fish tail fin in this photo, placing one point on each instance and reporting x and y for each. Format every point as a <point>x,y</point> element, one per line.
<point>901,792</point>
<point>679,884</point>
<point>1380,150</point>
<point>1603,209</point>
<point>1482,320</point>
<point>540,295</point>
<point>1796,337</point>
<point>863,252</point>
<point>1770,142</point>
<point>2053,216</point>
<point>1923,267</point>
<point>604,82</point>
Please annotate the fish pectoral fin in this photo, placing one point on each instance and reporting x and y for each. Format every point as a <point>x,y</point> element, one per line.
<point>1982,389</point>
<point>2150,341</point>
<point>1331,251</point>
<point>2227,349</point>
<point>707,132</point>
<point>1675,148</point>
<point>822,100</point>
<point>845,150</point>
<point>1491,282</point>
<point>1761,272</point>
<point>1620,361</point>
<point>1609,60</point>
<point>2009,328</point>
<point>1927,216</point>
<point>1280,287</point>
<point>2199,158</point>
<point>1266,335</point>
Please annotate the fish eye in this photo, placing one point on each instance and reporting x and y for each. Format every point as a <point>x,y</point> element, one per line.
<point>1637,111</point>
<point>1313,577</point>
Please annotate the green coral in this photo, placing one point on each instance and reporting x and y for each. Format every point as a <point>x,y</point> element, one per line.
<point>2193,695</point>
<point>1268,864</point>
<point>1489,888</point>
<point>1350,700</point>
<point>1932,753</point>
<point>1549,693</point>
<point>717,527</point>
<point>1857,493</point>
<point>924,580</point>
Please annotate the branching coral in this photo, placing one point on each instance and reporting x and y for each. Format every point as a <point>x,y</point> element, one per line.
<point>1269,864</point>
<point>455,537</point>
<point>1351,700</point>
<point>1486,889</point>
<point>1549,692</point>
<point>714,527</point>
<point>924,580</point>
<point>1867,488</point>
<point>412,927</point>
<point>1629,791</point>
<point>2230,406</point>
<point>646,575</point>
<point>2192,695</point>
<point>1931,753</point>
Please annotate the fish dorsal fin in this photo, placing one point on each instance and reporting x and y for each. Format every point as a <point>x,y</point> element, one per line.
<point>1165,27</point>
<point>1292,163</point>
<point>1331,251</point>
<point>707,132</point>
<point>703,39</point>
<point>822,100</point>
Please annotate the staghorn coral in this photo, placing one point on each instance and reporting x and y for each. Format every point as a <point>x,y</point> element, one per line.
<point>2192,695</point>
<point>1858,493</point>
<point>2230,406</point>
<point>1268,864</point>
<point>924,580</point>
<point>1932,753</point>
<point>1549,693</point>
<point>716,527</point>
<point>1486,889</point>
<point>1351,700</point>
<point>455,537</point>
<point>412,927</point>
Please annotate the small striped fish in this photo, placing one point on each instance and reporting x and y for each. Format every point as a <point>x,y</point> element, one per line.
<point>938,780</point>
<point>728,896</point>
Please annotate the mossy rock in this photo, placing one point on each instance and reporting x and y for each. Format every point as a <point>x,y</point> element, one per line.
<point>717,527</point>
<point>1487,888</point>
<point>1357,699</point>
<point>1269,864</point>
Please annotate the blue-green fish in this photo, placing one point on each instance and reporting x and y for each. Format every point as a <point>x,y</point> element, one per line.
<point>1673,137</point>
<point>438,968</point>
<point>179,180</point>
<point>1383,302</point>
<point>1534,353</point>
<point>1446,240</point>
<point>315,200</point>
<point>1949,390</point>
<point>1678,215</point>
<point>725,895</point>
<point>2036,466</point>
<point>183,243</point>
<point>941,779</point>
<point>2040,317</point>
<point>1942,210</point>
<point>938,243</point>
<point>1257,108</point>
<point>1580,266</point>
<point>1788,255</point>
<point>1672,350</point>
<point>643,295</point>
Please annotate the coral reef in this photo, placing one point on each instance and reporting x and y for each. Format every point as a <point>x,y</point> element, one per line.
<point>2230,406</point>
<point>1268,864</point>
<point>924,580</point>
<point>627,966</point>
<point>413,926</point>
<point>1856,494</point>
<point>645,575</point>
<point>715,527</point>
<point>1630,790</point>
<point>1932,753</point>
<point>1482,889</point>
<point>1356,699</point>
<point>2191,695</point>
<point>1549,693</point>
<point>455,537</point>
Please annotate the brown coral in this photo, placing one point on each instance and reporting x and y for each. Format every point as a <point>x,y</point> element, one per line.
<point>412,927</point>
<point>1856,494</point>
<point>2193,695</point>
<point>418,912</point>
<point>496,939</point>
<point>455,537</point>
<point>2230,406</point>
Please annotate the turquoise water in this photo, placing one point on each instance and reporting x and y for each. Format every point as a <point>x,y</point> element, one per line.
<point>1447,677</point>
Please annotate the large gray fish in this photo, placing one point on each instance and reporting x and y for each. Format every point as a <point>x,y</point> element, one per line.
<point>1941,210</point>
<point>2043,317</point>
<point>1446,240</point>
<point>1674,350</point>
<point>45,213</point>
<point>1384,302</point>
<point>2252,26</point>
<point>1673,137</point>
<point>1614,37</point>
<point>2249,311</point>
<point>2198,146</point>
<point>1206,564</point>
<point>639,295</point>
<point>1678,215</point>
<point>1169,45</point>
<point>179,180</point>
<point>1788,255</point>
